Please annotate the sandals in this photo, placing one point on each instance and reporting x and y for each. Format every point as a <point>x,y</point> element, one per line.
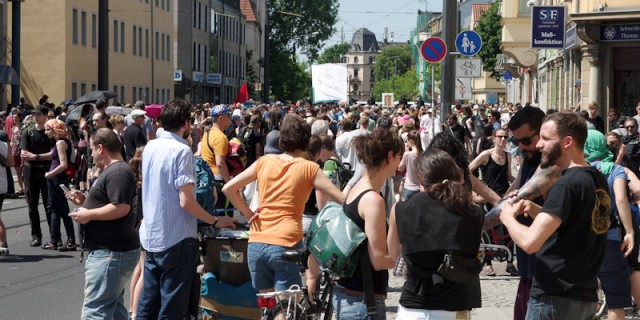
<point>488,271</point>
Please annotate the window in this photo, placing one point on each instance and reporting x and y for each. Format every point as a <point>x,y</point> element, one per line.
<point>134,94</point>
<point>157,47</point>
<point>523,8</point>
<point>168,49</point>
<point>146,39</point>
<point>83,89</point>
<point>94,30</point>
<point>75,26</point>
<point>199,15</point>
<point>355,60</point>
<point>94,87</point>
<point>355,73</point>
<point>169,5</point>
<point>83,28</point>
<point>162,46</point>
<point>370,60</point>
<point>163,96</point>
<point>115,89</point>
<point>146,94</point>
<point>195,14</point>
<point>140,42</point>
<point>162,2</point>
<point>122,99</point>
<point>115,35</point>
<point>134,40</point>
<point>206,18</point>
<point>122,37</point>
<point>155,99</point>
<point>193,58</point>
<point>74,90</point>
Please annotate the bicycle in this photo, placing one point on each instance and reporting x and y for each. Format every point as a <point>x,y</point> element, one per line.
<point>294,303</point>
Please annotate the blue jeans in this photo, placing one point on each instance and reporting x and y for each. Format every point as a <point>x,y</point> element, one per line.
<point>168,277</point>
<point>406,193</point>
<point>107,274</point>
<point>554,308</point>
<point>267,268</point>
<point>59,208</point>
<point>354,308</point>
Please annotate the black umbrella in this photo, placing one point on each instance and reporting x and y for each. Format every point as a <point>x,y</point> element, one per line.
<point>94,96</point>
<point>74,113</point>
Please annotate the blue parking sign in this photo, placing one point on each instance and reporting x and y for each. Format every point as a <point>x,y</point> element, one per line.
<point>468,43</point>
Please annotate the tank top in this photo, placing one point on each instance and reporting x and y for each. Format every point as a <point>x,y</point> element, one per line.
<point>495,175</point>
<point>380,278</point>
<point>55,158</point>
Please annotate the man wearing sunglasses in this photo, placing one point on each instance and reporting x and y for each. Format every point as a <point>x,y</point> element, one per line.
<point>631,158</point>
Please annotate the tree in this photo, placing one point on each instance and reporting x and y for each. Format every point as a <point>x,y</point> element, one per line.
<point>393,60</point>
<point>490,31</point>
<point>251,77</point>
<point>400,85</point>
<point>334,53</point>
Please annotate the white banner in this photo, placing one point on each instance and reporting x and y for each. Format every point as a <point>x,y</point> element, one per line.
<point>329,82</point>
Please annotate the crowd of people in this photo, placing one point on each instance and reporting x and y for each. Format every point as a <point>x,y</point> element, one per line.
<point>419,189</point>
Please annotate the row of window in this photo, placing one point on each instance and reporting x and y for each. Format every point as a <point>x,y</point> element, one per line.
<point>228,28</point>
<point>356,60</point>
<point>231,65</point>
<point>79,33</point>
<point>200,16</point>
<point>200,57</point>
<point>162,4</point>
<point>137,93</point>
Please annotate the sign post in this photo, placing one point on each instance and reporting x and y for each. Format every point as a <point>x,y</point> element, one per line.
<point>468,43</point>
<point>547,27</point>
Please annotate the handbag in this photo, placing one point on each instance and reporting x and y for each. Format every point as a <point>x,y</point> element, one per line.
<point>336,241</point>
<point>457,268</point>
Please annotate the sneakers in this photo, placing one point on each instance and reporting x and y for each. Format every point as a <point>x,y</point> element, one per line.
<point>36,241</point>
<point>52,246</point>
<point>4,250</point>
<point>70,245</point>
<point>511,270</point>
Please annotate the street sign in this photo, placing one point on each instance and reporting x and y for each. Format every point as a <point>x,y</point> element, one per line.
<point>468,43</point>
<point>468,68</point>
<point>507,75</point>
<point>547,27</point>
<point>433,50</point>
<point>214,78</point>
<point>620,32</point>
<point>463,89</point>
<point>177,75</point>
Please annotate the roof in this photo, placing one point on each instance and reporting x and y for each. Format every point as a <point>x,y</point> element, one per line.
<point>478,9</point>
<point>364,40</point>
<point>247,10</point>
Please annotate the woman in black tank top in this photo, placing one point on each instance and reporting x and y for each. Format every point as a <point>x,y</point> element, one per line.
<point>380,152</point>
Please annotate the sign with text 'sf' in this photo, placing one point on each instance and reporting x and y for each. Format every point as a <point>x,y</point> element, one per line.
<point>547,27</point>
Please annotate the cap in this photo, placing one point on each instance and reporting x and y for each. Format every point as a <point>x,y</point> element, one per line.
<point>220,110</point>
<point>139,104</point>
<point>272,144</point>
<point>138,113</point>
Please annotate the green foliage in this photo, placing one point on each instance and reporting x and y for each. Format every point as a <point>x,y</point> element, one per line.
<point>333,53</point>
<point>213,57</point>
<point>251,77</point>
<point>296,26</point>
<point>400,85</point>
<point>490,31</point>
<point>393,60</point>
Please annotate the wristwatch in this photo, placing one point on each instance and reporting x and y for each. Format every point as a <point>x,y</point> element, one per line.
<point>214,224</point>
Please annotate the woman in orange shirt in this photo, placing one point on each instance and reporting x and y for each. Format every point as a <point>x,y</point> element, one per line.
<point>285,182</point>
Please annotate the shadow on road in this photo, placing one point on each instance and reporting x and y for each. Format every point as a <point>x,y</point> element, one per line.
<point>32,258</point>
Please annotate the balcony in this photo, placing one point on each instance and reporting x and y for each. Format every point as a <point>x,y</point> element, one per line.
<point>516,33</point>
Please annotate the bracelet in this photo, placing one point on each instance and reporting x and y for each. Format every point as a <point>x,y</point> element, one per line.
<point>214,224</point>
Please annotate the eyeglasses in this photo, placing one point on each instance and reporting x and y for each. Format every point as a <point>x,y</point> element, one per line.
<point>525,141</point>
<point>629,127</point>
<point>502,137</point>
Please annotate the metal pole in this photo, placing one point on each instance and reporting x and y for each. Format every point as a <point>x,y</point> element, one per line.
<point>15,50</point>
<point>450,18</point>
<point>103,45</point>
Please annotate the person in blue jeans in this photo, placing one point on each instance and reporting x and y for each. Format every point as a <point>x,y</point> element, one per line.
<point>110,234</point>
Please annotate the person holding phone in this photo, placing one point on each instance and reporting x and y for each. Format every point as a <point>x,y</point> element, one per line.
<point>56,176</point>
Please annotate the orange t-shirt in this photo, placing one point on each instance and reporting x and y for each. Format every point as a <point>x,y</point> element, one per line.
<point>219,143</point>
<point>284,187</point>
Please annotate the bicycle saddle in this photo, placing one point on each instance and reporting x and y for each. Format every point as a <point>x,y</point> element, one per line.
<point>293,255</point>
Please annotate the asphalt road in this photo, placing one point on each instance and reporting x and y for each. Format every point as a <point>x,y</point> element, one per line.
<point>36,283</point>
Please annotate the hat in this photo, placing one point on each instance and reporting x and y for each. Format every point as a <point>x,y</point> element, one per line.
<point>272,145</point>
<point>138,113</point>
<point>139,104</point>
<point>235,118</point>
<point>41,110</point>
<point>220,110</point>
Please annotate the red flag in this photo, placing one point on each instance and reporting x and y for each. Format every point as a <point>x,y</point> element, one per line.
<point>243,94</point>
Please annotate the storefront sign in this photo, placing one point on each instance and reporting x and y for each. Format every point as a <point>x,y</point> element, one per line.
<point>620,32</point>
<point>197,76</point>
<point>214,78</point>
<point>547,27</point>
<point>571,39</point>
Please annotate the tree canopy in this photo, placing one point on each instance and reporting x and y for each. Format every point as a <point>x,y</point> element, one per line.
<point>490,31</point>
<point>334,53</point>
<point>393,60</point>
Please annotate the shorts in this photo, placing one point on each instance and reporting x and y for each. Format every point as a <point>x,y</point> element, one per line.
<point>267,268</point>
<point>17,161</point>
<point>614,276</point>
<point>632,258</point>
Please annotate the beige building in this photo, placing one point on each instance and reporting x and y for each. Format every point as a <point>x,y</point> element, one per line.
<point>229,36</point>
<point>485,88</point>
<point>59,52</point>
<point>256,13</point>
<point>362,53</point>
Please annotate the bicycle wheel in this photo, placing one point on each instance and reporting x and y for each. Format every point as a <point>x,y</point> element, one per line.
<point>282,311</point>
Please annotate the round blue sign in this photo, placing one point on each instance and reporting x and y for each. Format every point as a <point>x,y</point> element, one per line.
<point>468,43</point>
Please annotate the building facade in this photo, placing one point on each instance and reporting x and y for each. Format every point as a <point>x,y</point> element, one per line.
<point>228,49</point>
<point>255,12</point>
<point>4,43</point>
<point>485,88</point>
<point>360,59</point>
<point>60,58</point>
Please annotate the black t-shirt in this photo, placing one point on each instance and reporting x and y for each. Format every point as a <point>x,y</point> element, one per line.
<point>597,122</point>
<point>458,132</point>
<point>115,185</point>
<point>569,260</point>
<point>133,138</point>
<point>36,141</point>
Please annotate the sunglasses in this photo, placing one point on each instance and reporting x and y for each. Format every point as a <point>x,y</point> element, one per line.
<point>630,127</point>
<point>525,141</point>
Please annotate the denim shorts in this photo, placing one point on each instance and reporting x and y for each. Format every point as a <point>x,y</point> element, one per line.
<point>551,307</point>
<point>349,307</point>
<point>267,268</point>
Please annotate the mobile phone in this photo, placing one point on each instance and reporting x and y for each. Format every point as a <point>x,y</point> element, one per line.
<point>65,189</point>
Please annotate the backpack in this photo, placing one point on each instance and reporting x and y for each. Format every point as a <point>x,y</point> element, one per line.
<point>345,173</point>
<point>74,158</point>
<point>204,186</point>
<point>236,155</point>
<point>336,241</point>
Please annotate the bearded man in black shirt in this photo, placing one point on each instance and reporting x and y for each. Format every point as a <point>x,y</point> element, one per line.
<point>36,153</point>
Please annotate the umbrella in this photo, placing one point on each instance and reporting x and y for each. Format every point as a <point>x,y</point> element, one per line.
<point>118,110</point>
<point>8,75</point>
<point>94,96</point>
<point>153,110</point>
<point>74,112</point>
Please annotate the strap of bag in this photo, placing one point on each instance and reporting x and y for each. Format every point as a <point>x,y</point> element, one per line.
<point>367,279</point>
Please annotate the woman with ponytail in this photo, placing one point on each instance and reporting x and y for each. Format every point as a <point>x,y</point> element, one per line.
<point>451,224</point>
<point>413,147</point>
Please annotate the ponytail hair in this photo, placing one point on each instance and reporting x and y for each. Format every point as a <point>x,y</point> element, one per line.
<point>414,136</point>
<point>440,176</point>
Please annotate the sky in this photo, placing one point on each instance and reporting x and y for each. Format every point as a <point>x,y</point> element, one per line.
<point>399,16</point>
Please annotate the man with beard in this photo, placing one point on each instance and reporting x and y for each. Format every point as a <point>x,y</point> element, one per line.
<point>168,230</point>
<point>576,211</point>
